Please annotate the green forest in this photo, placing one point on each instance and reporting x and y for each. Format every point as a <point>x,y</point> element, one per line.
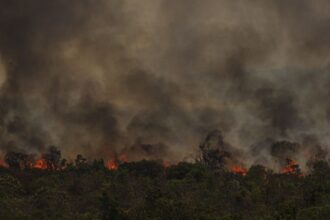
<point>147,190</point>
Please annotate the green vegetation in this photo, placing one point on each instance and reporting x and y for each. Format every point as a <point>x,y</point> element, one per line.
<point>146,190</point>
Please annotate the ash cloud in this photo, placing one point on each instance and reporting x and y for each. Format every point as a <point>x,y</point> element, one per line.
<point>96,77</point>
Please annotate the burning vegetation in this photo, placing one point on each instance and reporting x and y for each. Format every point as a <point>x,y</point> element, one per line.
<point>40,164</point>
<point>239,170</point>
<point>215,154</point>
<point>118,187</point>
<point>134,86</point>
<point>292,167</point>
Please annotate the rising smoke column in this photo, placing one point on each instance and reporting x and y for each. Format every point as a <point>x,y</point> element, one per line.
<point>95,77</point>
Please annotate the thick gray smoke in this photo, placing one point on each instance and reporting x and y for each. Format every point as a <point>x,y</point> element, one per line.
<point>99,76</point>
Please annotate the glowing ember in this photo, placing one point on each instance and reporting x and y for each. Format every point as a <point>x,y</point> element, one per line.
<point>40,164</point>
<point>239,170</point>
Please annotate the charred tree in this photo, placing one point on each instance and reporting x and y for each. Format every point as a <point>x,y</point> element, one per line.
<point>213,153</point>
<point>18,160</point>
<point>52,158</point>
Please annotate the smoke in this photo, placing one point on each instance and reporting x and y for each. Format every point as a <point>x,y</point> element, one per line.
<point>102,76</point>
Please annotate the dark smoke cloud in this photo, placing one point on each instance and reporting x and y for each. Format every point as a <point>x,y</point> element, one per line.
<point>96,77</point>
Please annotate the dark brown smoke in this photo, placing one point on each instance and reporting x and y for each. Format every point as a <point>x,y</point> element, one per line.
<point>100,76</point>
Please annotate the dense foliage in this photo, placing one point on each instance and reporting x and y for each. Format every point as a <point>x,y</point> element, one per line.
<point>147,190</point>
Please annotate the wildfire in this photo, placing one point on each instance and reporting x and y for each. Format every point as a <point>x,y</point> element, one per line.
<point>239,170</point>
<point>292,167</point>
<point>114,162</point>
<point>40,164</point>
<point>112,165</point>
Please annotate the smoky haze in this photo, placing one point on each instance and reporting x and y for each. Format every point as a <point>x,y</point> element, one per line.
<point>102,76</point>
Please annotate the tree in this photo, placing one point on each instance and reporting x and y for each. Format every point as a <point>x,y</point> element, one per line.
<point>52,158</point>
<point>213,153</point>
<point>148,168</point>
<point>320,169</point>
<point>18,160</point>
<point>314,213</point>
<point>185,170</point>
<point>109,208</point>
<point>81,162</point>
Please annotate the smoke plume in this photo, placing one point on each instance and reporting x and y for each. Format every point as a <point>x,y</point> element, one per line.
<point>102,76</point>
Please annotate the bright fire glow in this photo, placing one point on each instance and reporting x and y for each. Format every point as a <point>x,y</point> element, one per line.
<point>292,167</point>
<point>112,165</point>
<point>114,162</point>
<point>239,170</point>
<point>40,164</point>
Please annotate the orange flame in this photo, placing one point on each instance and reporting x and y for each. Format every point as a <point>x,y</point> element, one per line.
<point>112,165</point>
<point>292,167</point>
<point>40,164</point>
<point>239,170</point>
<point>114,162</point>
